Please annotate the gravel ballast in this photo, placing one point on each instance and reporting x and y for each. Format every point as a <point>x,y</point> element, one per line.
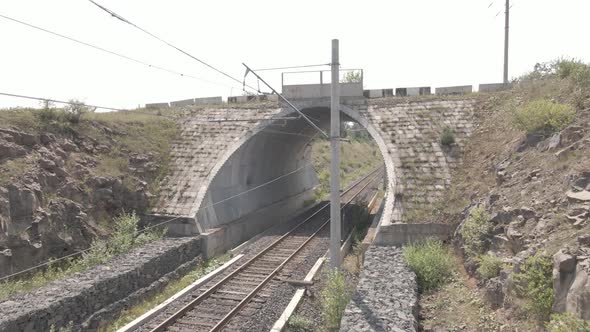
<point>386,298</point>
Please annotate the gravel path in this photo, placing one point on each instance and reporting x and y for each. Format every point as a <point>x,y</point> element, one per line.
<point>387,294</point>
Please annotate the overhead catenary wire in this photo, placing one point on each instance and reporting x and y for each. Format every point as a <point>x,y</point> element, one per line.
<point>117,54</point>
<point>60,101</point>
<point>52,261</point>
<point>120,18</point>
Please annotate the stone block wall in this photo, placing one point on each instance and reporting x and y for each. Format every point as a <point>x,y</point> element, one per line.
<point>92,292</point>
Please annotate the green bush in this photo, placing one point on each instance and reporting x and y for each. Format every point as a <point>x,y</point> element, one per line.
<point>534,283</point>
<point>575,70</point>
<point>447,137</point>
<point>333,299</point>
<point>475,232</point>
<point>299,323</point>
<point>489,266</point>
<point>543,117</point>
<point>432,263</point>
<point>567,323</point>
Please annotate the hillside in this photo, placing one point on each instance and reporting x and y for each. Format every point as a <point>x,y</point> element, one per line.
<point>522,202</point>
<point>66,173</point>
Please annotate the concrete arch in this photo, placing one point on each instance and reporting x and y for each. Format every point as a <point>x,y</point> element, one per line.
<point>242,168</point>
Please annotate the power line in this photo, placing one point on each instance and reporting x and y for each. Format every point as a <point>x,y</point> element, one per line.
<point>51,261</point>
<point>120,18</point>
<point>109,51</point>
<point>293,67</point>
<point>60,101</point>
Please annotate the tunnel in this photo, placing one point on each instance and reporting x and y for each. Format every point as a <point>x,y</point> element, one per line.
<point>268,178</point>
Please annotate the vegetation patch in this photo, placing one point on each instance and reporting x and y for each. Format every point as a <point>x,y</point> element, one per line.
<point>534,284</point>
<point>299,323</point>
<point>567,323</point>
<point>447,137</point>
<point>489,266</point>
<point>124,238</point>
<point>543,117</point>
<point>333,299</point>
<point>432,262</point>
<point>475,232</point>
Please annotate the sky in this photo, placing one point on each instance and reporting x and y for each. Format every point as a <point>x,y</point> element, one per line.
<point>396,43</point>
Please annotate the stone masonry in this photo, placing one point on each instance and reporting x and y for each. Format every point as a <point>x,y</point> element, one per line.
<point>407,131</point>
<point>98,290</point>
<point>387,295</point>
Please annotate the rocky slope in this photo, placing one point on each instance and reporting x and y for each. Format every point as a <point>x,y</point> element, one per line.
<point>63,178</point>
<point>536,192</point>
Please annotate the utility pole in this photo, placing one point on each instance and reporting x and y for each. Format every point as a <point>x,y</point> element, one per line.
<point>507,24</point>
<point>335,221</point>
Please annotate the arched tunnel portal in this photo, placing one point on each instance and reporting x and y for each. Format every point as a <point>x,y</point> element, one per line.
<point>267,176</point>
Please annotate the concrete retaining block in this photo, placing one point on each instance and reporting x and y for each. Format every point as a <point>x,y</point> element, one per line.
<point>157,105</point>
<point>208,101</point>
<point>494,87</point>
<point>454,90</point>
<point>417,91</point>
<point>399,234</point>
<point>373,93</point>
<point>181,103</point>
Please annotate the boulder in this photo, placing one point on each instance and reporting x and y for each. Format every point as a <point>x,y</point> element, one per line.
<point>571,284</point>
<point>494,292</point>
<point>10,150</point>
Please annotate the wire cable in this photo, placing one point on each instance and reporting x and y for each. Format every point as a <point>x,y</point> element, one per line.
<point>120,18</point>
<point>61,101</point>
<point>110,52</point>
<point>52,261</point>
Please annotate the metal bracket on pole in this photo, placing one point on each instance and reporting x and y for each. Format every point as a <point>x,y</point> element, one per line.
<point>285,100</point>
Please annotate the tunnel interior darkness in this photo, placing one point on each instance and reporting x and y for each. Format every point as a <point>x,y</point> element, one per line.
<point>280,153</point>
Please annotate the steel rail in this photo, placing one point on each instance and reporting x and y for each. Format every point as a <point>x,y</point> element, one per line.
<point>181,312</point>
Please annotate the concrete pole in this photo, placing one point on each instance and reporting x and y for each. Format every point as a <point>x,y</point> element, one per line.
<point>335,221</point>
<point>506,29</point>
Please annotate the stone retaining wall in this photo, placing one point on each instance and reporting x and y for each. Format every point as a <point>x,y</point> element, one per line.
<point>98,290</point>
<point>399,234</point>
<point>386,298</point>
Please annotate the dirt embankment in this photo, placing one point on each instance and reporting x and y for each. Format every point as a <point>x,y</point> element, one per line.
<point>64,177</point>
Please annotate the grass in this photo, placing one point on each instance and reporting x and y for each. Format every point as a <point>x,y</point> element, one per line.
<point>432,262</point>
<point>128,315</point>
<point>357,158</point>
<point>567,323</point>
<point>299,324</point>
<point>333,300</point>
<point>121,241</point>
<point>447,137</point>
<point>543,117</point>
<point>489,266</point>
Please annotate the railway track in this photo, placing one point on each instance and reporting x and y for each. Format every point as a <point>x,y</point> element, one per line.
<point>212,309</point>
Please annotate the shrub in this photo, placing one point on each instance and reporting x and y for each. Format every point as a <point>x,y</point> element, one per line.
<point>567,323</point>
<point>447,137</point>
<point>543,117</point>
<point>534,283</point>
<point>333,299</point>
<point>575,70</point>
<point>475,232</point>
<point>489,266</point>
<point>299,323</point>
<point>432,263</point>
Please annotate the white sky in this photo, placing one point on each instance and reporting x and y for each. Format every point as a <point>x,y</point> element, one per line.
<point>397,43</point>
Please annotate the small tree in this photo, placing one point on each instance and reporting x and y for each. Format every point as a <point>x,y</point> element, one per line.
<point>352,77</point>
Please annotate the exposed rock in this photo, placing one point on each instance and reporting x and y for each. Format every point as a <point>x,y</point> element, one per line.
<point>494,292</point>
<point>581,196</point>
<point>10,150</point>
<point>571,284</point>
